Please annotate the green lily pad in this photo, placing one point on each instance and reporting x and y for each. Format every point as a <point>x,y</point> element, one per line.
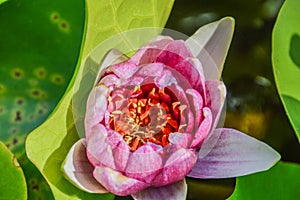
<point>280,182</point>
<point>12,180</point>
<point>48,145</point>
<point>39,48</point>
<point>286,60</point>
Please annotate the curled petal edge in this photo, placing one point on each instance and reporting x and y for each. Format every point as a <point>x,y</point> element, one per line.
<point>79,171</point>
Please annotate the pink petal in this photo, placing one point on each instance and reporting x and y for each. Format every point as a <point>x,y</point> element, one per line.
<point>216,95</point>
<point>166,79</point>
<point>123,70</point>
<point>191,70</point>
<point>121,151</point>
<point>111,80</point>
<point>210,44</point>
<point>152,69</point>
<point>203,129</point>
<point>144,164</point>
<point>173,53</point>
<point>182,140</point>
<point>175,191</point>
<point>149,52</point>
<point>196,102</point>
<point>79,171</point>
<point>176,167</point>
<point>96,107</point>
<point>235,154</point>
<point>117,183</point>
<point>215,98</point>
<point>99,150</point>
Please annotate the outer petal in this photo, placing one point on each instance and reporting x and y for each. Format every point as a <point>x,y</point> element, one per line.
<point>149,52</point>
<point>124,70</point>
<point>117,183</point>
<point>215,98</point>
<point>175,191</point>
<point>99,150</point>
<point>188,70</point>
<point>96,107</point>
<point>176,167</point>
<point>235,154</point>
<point>210,44</point>
<point>151,69</point>
<point>78,169</point>
<point>173,53</point>
<point>145,163</point>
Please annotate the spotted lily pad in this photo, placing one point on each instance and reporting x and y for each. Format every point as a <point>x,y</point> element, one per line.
<point>286,60</point>
<point>39,48</point>
<point>48,145</point>
<point>40,43</point>
<point>12,180</point>
<point>280,182</point>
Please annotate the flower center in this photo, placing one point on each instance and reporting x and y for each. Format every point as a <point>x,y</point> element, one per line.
<point>149,115</point>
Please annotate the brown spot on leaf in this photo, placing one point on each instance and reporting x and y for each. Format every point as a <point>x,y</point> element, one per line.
<point>40,111</point>
<point>17,73</point>
<point>35,187</point>
<point>35,93</point>
<point>54,17</point>
<point>63,25</point>
<point>20,101</point>
<point>15,141</point>
<point>57,79</point>
<point>18,117</point>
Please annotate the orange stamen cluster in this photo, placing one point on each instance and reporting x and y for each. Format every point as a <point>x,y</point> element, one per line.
<point>148,117</point>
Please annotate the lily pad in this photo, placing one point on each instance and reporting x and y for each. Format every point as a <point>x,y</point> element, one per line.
<point>280,182</point>
<point>12,180</point>
<point>40,43</point>
<point>48,145</point>
<point>285,58</point>
<point>39,48</point>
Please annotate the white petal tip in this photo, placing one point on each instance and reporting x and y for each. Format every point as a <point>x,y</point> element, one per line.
<point>79,171</point>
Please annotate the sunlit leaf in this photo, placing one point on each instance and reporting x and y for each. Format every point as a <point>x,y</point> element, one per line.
<point>12,180</point>
<point>280,182</point>
<point>286,60</point>
<point>2,1</point>
<point>48,145</point>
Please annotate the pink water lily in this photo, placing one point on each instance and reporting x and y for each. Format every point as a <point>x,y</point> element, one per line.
<point>151,120</point>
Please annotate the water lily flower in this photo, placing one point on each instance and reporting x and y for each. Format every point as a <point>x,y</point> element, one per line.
<point>152,119</point>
